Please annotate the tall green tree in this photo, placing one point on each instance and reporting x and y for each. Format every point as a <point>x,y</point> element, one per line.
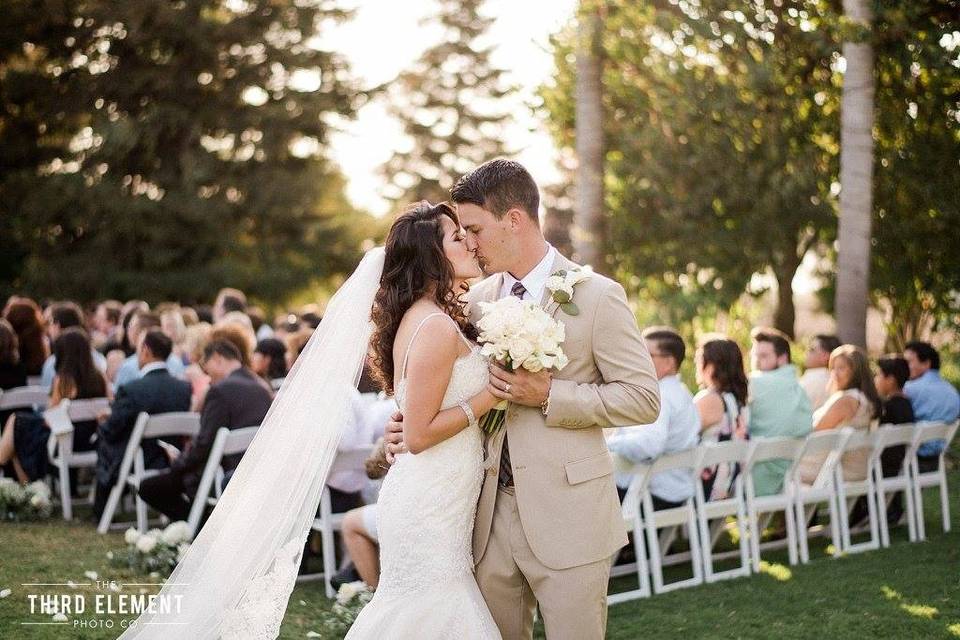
<point>721,145</point>
<point>198,159</point>
<point>451,106</point>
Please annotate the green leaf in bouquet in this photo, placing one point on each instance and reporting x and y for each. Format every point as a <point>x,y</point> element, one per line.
<point>570,309</point>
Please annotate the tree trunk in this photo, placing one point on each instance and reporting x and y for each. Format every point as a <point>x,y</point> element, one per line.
<point>587,234</point>
<point>785,314</point>
<point>856,181</point>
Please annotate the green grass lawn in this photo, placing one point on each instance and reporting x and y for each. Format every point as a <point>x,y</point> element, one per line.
<point>906,591</point>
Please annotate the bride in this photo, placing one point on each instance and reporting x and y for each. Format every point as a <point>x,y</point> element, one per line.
<point>235,579</point>
<point>428,500</point>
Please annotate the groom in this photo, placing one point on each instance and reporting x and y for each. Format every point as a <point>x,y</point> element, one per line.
<point>548,518</point>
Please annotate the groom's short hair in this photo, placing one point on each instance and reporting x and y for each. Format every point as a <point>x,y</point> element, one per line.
<point>499,185</point>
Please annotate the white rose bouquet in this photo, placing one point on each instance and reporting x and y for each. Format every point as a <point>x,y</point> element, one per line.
<point>156,550</point>
<point>517,334</point>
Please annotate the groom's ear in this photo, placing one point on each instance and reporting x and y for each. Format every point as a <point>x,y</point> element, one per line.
<point>515,217</point>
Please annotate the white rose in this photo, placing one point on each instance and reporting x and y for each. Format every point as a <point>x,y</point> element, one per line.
<point>59,617</point>
<point>554,282</point>
<point>131,536</point>
<point>175,533</point>
<point>92,575</point>
<point>146,543</point>
<point>347,591</point>
<point>182,550</point>
<point>5,592</point>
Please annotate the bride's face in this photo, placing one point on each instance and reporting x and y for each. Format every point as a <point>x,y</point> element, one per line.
<point>464,261</point>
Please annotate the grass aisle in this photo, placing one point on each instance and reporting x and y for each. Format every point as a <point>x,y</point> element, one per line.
<point>906,591</point>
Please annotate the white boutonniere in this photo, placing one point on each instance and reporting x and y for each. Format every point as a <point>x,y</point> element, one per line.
<point>561,284</point>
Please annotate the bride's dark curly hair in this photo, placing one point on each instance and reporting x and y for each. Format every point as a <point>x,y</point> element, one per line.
<point>414,264</point>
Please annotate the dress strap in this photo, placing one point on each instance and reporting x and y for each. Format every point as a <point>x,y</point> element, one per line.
<point>406,356</point>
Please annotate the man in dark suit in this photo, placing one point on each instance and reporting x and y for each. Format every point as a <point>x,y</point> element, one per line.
<point>237,398</point>
<point>156,391</point>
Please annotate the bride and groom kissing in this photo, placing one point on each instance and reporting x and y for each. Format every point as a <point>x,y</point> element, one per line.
<point>477,528</point>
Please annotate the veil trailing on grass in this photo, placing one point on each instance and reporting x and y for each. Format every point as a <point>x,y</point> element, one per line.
<point>236,578</point>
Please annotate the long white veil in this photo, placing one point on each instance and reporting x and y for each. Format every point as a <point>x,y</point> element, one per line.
<point>237,576</point>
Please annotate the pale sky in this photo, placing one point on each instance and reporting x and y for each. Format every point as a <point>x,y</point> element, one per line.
<point>385,37</point>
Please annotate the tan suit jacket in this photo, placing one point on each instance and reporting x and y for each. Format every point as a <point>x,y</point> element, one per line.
<point>562,470</point>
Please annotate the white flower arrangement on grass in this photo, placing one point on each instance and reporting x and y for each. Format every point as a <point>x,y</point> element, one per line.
<point>24,502</point>
<point>351,598</point>
<point>518,333</point>
<point>154,551</point>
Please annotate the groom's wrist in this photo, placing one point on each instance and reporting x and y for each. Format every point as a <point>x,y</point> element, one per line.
<point>545,405</point>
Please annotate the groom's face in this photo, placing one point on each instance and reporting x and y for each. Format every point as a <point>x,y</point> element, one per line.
<point>487,236</point>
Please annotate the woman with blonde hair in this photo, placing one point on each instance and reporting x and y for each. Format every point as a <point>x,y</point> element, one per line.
<point>853,402</point>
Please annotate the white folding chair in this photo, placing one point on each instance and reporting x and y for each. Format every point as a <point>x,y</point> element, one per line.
<point>34,381</point>
<point>227,442</point>
<point>892,436</point>
<point>672,519</point>
<point>713,454</point>
<point>765,450</point>
<point>823,489</point>
<point>849,490</point>
<point>29,397</point>
<point>632,510</point>
<point>60,419</point>
<point>328,522</point>
<point>133,469</point>
<point>927,432</point>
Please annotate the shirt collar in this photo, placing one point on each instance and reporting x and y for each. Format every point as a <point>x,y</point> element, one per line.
<point>152,366</point>
<point>535,281</point>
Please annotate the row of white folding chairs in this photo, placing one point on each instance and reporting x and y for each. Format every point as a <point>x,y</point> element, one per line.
<point>704,519</point>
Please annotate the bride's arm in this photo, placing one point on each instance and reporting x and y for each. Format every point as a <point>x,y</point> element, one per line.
<point>429,368</point>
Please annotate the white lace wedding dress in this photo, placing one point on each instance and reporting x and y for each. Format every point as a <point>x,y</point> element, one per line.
<point>426,510</point>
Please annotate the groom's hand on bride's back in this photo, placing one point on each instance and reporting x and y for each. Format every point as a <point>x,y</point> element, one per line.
<point>393,437</point>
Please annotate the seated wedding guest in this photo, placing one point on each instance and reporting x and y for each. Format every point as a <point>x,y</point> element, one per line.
<point>155,391</point>
<point>172,324</point>
<point>228,300</point>
<point>295,344</point>
<point>778,405</point>
<point>933,398</point>
<point>130,369</point>
<point>260,325</point>
<point>13,373</point>
<point>359,531</point>
<point>270,359</point>
<point>816,376</point>
<point>197,336</point>
<point>26,433</point>
<point>676,429</point>
<point>130,311</point>
<point>64,315</point>
<point>892,373</point>
<point>107,333</point>
<point>235,400</point>
<point>240,334</point>
<point>721,402</point>
<point>853,402</point>
<point>24,316</point>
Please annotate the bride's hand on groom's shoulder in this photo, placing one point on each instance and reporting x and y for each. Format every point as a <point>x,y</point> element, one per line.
<point>393,437</point>
<point>521,386</point>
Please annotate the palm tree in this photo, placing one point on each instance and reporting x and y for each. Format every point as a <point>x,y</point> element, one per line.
<point>856,178</point>
<point>587,233</point>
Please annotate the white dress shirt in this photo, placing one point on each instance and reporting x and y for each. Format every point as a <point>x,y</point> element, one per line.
<point>676,429</point>
<point>535,281</point>
<point>814,381</point>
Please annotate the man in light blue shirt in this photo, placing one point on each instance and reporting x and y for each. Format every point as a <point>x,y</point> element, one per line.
<point>130,369</point>
<point>676,429</point>
<point>60,316</point>
<point>933,399</point>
